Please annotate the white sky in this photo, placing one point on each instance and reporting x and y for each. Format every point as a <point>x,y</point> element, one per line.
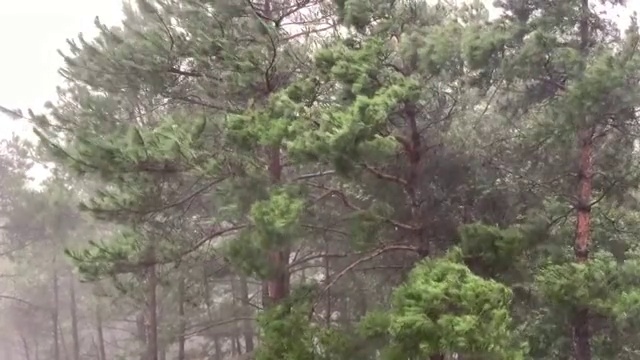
<point>31,31</point>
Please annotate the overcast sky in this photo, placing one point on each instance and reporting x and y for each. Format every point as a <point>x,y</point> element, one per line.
<point>31,31</point>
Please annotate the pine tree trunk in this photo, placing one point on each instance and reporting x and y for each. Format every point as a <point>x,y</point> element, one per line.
<point>8,352</point>
<point>25,347</point>
<point>63,342</point>
<point>581,331</point>
<point>327,282</point>
<point>55,315</point>
<point>74,319</point>
<point>102,353</point>
<point>218,348</point>
<point>246,311</point>
<point>277,286</point>
<point>183,325</point>
<point>152,309</point>
<point>234,348</point>
<point>142,334</point>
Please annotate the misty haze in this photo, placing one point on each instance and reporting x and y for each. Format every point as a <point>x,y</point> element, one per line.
<point>320,180</point>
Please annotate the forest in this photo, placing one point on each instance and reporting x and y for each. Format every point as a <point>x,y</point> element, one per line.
<point>331,180</point>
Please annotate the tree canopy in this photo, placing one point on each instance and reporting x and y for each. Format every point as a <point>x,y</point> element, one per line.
<point>333,180</point>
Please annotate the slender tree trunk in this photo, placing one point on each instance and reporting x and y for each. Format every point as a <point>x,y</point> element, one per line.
<point>162,353</point>
<point>360,302</point>
<point>25,347</point>
<point>55,315</point>
<point>8,352</point>
<point>218,347</point>
<point>327,281</point>
<point>277,285</point>
<point>37,346</point>
<point>183,325</point>
<point>246,312</point>
<point>581,331</point>
<point>63,342</point>
<point>74,319</point>
<point>238,345</point>
<point>219,355</point>
<point>102,353</point>
<point>152,309</point>
<point>345,312</point>
<point>234,348</point>
<point>264,290</point>
<point>142,334</point>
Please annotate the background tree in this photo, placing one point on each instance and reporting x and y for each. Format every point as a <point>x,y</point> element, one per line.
<point>385,180</point>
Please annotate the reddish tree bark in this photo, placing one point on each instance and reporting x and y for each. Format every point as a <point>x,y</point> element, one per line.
<point>581,332</point>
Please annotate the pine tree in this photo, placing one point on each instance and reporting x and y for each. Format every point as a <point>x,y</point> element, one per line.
<point>397,179</point>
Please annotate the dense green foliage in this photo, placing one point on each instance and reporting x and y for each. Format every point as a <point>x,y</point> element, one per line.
<point>390,179</point>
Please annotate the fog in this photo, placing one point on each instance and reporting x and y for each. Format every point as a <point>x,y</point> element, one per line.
<point>228,180</point>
